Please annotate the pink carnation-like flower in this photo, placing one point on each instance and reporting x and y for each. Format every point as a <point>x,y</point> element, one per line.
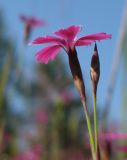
<point>32,21</point>
<point>66,39</point>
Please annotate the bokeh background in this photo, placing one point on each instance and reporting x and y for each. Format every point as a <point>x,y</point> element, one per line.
<point>41,116</point>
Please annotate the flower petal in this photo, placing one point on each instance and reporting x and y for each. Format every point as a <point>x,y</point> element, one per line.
<point>49,39</point>
<point>83,42</point>
<point>96,36</point>
<point>69,33</point>
<point>48,53</point>
<point>36,22</point>
<point>32,21</point>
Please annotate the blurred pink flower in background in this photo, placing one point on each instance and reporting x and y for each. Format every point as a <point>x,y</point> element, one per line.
<point>72,154</point>
<point>77,156</point>
<point>67,40</point>
<point>41,116</point>
<point>28,155</point>
<point>107,139</point>
<point>113,136</point>
<point>30,22</point>
<point>108,143</point>
<point>67,97</point>
<point>38,149</point>
<point>121,148</point>
<point>33,154</point>
<point>7,137</point>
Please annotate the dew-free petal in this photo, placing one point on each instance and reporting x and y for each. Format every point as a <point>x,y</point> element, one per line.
<point>83,42</point>
<point>96,36</point>
<point>69,33</point>
<point>67,40</point>
<point>48,53</point>
<point>36,22</point>
<point>49,39</point>
<point>32,21</point>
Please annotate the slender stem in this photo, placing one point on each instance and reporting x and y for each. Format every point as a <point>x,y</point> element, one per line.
<point>95,122</point>
<point>97,150</point>
<point>89,130</point>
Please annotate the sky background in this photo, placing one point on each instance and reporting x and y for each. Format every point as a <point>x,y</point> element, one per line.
<point>94,16</point>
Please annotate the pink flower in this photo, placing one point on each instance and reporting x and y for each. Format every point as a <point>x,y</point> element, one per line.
<point>32,21</point>
<point>67,40</point>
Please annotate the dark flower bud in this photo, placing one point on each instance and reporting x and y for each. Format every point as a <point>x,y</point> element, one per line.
<point>95,69</point>
<point>77,73</point>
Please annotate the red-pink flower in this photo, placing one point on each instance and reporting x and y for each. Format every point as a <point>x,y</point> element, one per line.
<point>66,39</point>
<point>32,21</point>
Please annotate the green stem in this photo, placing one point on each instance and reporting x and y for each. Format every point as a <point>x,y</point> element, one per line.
<point>97,149</point>
<point>95,122</point>
<point>89,130</point>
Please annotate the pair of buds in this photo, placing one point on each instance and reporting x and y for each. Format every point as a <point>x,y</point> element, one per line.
<point>77,73</point>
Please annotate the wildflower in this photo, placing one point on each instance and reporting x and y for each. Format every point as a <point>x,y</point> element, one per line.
<point>66,39</point>
<point>30,22</point>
